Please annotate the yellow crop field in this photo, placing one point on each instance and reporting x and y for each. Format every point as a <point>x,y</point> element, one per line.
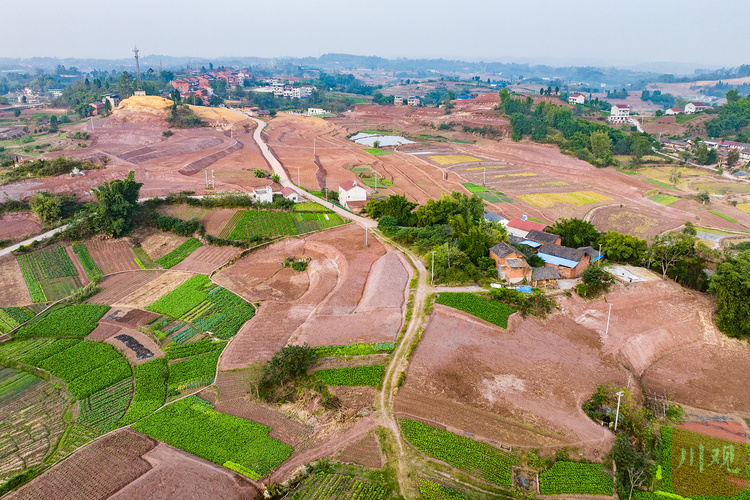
<point>522,174</point>
<point>554,183</point>
<point>578,198</point>
<point>745,207</point>
<point>452,159</point>
<point>482,168</point>
<point>146,101</point>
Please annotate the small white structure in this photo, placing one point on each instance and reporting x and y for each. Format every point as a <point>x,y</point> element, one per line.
<point>576,99</point>
<point>352,195</point>
<point>290,194</point>
<point>263,195</point>
<point>673,111</point>
<point>695,107</point>
<point>316,111</point>
<point>398,100</point>
<point>620,113</point>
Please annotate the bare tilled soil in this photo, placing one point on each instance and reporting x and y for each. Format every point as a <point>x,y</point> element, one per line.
<point>158,244</point>
<point>206,259</point>
<point>217,219</point>
<point>16,225</point>
<point>117,286</point>
<point>82,276</point>
<point>13,291</point>
<point>112,256</point>
<point>365,452</point>
<point>154,289</point>
<point>130,354</point>
<point>515,374</point>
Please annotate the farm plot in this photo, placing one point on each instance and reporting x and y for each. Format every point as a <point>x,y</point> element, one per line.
<point>478,459</point>
<point>85,367</point>
<point>49,274</point>
<point>195,371</point>
<point>314,221</point>
<point>115,288</point>
<point>338,487</point>
<point>207,258</point>
<point>481,307</point>
<point>575,479</point>
<point>150,390</point>
<point>352,375</point>
<point>14,291</point>
<point>365,452</point>
<point>98,471</point>
<point>30,425</point>
<point>576,198</point>
<point>263,223</point>
<point>664,199</point>
<point>112,256</point>
<point>180,253</point>
<point>103,409</point>
<point>206,306</point>
<point>14,384</point>
<point>69,321</point>
<point>87,262</point>
<point>11,317</point>
<point>453,159</point>
<point>193,425</point>
<point>354,349</point>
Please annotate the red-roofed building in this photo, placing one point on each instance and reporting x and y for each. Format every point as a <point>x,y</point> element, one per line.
<point>674,111</point>
<point>520,227</point>
<point>182,85</point>
<point>352,195</point>
<point>695,107</point>
<point>576,99</point>
<point>290,194</point>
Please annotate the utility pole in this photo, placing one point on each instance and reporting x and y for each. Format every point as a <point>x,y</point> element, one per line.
<point>598,264</point>
<point>366,231</point>
<point>606,333</point>
<point>432,277</point>
<point>617,414</point>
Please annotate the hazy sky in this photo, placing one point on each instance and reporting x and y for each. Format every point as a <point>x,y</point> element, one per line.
<point>598,31</point>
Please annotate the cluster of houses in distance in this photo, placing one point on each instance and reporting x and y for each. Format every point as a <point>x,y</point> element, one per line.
<point>200,85</point>
<point>722,147</point>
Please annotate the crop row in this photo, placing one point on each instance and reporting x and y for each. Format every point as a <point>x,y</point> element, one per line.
<point>103,409</point>
<point>150,390</point>
<point>85,367</point>
<point>575,479</point>
<point>87,261</point>
<point>193,369</point>
<point>180,253</point>
<point>481,307</point>
<point>473,457</point>
<point>19,314</point>
<point>192,349</point>
<point>31,279</point>
<point>198,429</point>
<point>352,375</point>
<point>184,335</point>
<point>183,298</point>
<point>433,491</point>
<point>69,321</point>
<point>354,349</point>
<point>7,322</point>
<point>324,486</point>
<point>263,223</point>
<point>52,262</point>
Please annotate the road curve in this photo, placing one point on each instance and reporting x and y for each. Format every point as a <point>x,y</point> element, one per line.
<point>287,182</point>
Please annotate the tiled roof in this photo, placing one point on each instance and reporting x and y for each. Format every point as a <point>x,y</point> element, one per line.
<point>502,249</point>
<point>542,237</point>
<point>563,252</point>
<point>516,263</point>
<point>348,185</point>
<point>544,273</point>
<point>525,225</point>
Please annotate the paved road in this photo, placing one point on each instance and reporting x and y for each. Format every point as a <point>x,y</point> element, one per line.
<point>287,182</point>
<point>43,236</point>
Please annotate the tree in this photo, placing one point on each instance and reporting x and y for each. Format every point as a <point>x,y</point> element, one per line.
<point>733,96</point>
<point>118,201</point>
<point>731,285</point>
<point>639,145</point>
<point>633,467</point>
<point>125,87</point>
<point>601,144</point>
<point>597,280</point>
<point>703,197</point>
<point>476,243</point>
<point>666,250</point>
<point>396,206</point>
<point>575,233</point>
<point>376,144</point>
<point>701,154</point>
<point>106,108</point>
<point>47,206</point>
<point>290,362</point>
<point>53,124</point>
<point>733,157</point>
<point>17,112</point>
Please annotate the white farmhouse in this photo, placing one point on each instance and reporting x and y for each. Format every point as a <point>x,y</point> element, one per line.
<point>673,111</point>
<point>290,194</point>
<point>263,195</point>
<point>352,195</point>
<point>576,99</point>
<point>695,107</point>
<point>620,113</point>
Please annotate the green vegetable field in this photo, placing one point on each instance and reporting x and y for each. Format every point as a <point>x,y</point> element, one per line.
<point>150,390</point>
<point>483,308</point>
<point>87,261</point>
<point>103,409</point>
<point>194,371</point>
<point>69,321</point>
<point>354,349</point>
<point>49,274</point>
<point>473,457</point>
<point>179,254</point>
<point>352,375</point>
<point>338,487</point>
<point>263,223</point>
<point>194,426</point>
<point>183,298</point>
<point>575,479</point>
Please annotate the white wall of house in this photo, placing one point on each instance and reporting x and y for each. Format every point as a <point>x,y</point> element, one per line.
<point>357,193</point>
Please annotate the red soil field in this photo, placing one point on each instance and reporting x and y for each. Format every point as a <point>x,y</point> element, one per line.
<point>515,374</point>
<point>157,244</point>
<point>104,331</point>
<point>121,285</point>
<point>133,318</point>
<point>727,429</point>
<point>13,291</point>
<point>16,225</point>
<point>112,256</point>
<point>365,452</point>
<point>216,219</point>
<point>82,276</point>
<point>206,259</point>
